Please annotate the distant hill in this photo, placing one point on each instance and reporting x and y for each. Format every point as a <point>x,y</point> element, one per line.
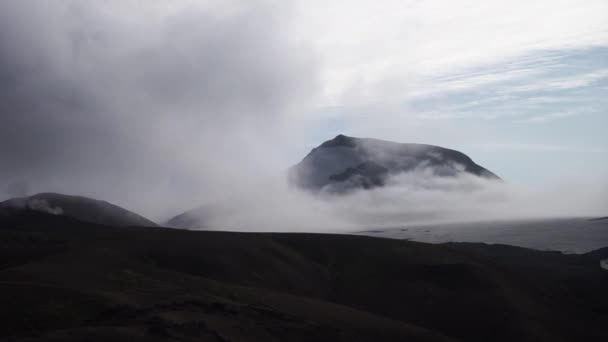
<point>80,208</point>
<point>189,219</point>
<point>345,163</point>
<point>198,218</point>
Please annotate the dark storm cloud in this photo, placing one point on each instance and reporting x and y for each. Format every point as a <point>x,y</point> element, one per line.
<point>130,107</point>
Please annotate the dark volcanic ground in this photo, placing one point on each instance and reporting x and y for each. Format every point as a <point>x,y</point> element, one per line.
<point>65,280</point>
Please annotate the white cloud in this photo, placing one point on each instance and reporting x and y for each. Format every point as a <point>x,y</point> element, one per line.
<point>463,82</point>
<point>551,116</point>
<point>376,51</point>
<point>174,102</point>
<point>413,198</point>
<point>577,80</point>
<point>538,147</point>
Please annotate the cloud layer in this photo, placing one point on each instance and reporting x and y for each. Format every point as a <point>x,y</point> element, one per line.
<point>416,197</point>
<point>163,106</point>
<point>145,108</point>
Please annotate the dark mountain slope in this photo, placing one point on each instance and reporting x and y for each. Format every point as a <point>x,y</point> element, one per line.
<point>78,207</point>
<point>345,163</point>
<point>70,281</point>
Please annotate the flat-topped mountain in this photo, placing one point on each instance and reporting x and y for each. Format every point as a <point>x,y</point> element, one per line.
<point>345,163</point>
<point>78,207</point>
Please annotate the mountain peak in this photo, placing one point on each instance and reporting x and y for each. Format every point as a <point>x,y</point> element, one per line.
<point>347,162</point>
<point>340,140</point>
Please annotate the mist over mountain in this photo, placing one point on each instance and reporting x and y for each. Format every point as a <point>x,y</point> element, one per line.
<point>346,163</point>
<point>334,172</point>
<point>78,207</point>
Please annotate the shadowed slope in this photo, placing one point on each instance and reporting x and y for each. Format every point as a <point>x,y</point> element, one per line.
<point>69,280</point>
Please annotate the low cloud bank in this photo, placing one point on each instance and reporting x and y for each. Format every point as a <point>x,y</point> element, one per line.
<point>411,198</point>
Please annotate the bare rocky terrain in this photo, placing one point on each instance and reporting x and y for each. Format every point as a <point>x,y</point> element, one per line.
<point>62,279</point>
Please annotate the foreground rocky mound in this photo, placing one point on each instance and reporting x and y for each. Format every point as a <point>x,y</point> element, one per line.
<point>65,280</point>
<point>81,208</point>
<point>346,163</point>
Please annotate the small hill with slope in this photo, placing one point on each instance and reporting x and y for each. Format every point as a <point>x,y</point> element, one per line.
<point>78,207</point>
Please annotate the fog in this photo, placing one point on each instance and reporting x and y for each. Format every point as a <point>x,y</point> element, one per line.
<point>162,108</point>
<point>151,108</point>
<point>412,198</point>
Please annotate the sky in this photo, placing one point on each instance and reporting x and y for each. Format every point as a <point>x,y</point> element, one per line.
<point>158,105</point>
<point>518,85</point>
